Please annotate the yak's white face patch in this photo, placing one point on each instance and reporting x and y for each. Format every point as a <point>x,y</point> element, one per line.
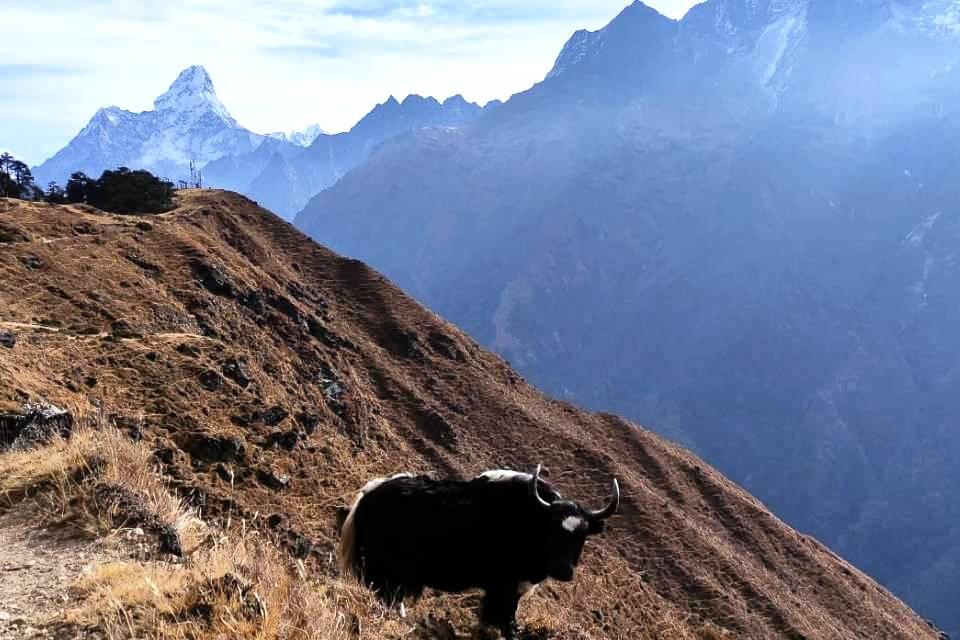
<point>573,523</point>
<point>504,475</point>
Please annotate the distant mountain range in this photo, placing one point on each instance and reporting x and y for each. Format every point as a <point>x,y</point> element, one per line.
<point>303,138</point>
<point>281,170</point>
<point>741,229</point>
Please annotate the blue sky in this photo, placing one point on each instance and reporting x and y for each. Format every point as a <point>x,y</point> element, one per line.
<point>276,65</point>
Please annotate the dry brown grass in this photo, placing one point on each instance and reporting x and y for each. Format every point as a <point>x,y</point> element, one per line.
<point>239,587</point>
<point>235,584</point>
<point>62,484</point>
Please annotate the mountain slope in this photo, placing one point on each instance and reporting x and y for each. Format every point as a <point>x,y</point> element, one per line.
<point>287,181</point>
<point>739,229</point>
<point>273,378</point>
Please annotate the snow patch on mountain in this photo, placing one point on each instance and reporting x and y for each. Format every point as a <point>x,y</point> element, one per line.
<point>777,41</point>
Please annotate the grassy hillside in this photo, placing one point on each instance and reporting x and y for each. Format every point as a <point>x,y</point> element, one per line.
<point>269,379</point>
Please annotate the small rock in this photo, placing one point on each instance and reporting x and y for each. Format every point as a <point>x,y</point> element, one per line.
<point>32,262</point>
<point>226,473</point>
<point>123,329</point>
<point>274,416</point>
<point>216,448</point>
<point>211,380</point>
<point>273,480</point>
<point>308,422</point>
<point>7,340</point>
<point>238,370</point>
<point>142,262</point>
<point>188,350</point>
<point>285,440</point>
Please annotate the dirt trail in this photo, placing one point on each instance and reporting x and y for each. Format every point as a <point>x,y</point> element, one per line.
<point>23,325</point>
<point>35,570</point>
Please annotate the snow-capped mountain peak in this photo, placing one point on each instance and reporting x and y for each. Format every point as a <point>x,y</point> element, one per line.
<point>301,138</point>
<point>188,124</point>
<point>106,118</point>
<point>192,93</point>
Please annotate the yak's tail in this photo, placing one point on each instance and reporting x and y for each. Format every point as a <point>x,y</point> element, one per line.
<point>348,553</point>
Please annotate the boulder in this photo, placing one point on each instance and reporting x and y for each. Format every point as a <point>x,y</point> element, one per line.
<point>35,425</point>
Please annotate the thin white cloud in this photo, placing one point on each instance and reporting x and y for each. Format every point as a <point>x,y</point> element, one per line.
<point>276,65</point>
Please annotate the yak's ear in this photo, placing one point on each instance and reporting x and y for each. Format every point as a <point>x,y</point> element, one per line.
<point>596,527</point>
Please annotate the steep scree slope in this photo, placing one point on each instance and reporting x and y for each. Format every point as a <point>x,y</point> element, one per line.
<point>273,377</point>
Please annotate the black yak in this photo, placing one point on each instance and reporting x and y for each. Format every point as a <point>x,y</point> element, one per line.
<point>503,532</point>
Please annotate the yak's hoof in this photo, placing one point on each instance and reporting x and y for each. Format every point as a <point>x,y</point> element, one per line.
<point>484,632</point>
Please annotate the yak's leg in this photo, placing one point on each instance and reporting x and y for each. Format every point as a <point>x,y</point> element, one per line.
<point>393,597</point>
<point>499,609</point>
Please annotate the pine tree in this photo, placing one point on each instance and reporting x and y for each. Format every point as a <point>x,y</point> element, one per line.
<point>16,179</point>
<point>79,187</point>
<point>55,194</point>
<point>8,187</point>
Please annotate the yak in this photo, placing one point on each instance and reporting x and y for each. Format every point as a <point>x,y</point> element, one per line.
<point>503,532</point>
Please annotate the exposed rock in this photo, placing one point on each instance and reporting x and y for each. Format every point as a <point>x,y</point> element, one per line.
<point>7,340</point>
<point>274,416</point>
<point>211,380</point>
<point>285,440</point>
<point>31,261</point>
<point>36,425</point>
<point>189,350</point>
<point>60,293</point>
<point>216,448</point>
<point>123,329</point>
<point>333,392</point>
<point>226,473</point>
<point>445,346</point>
<point>214,279</point>
<point>273,480</point>
<point>308,422</point>
<point>238,370</point>
<point>85,228</point>
<point>286,307</point>
<point>142,262</point>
